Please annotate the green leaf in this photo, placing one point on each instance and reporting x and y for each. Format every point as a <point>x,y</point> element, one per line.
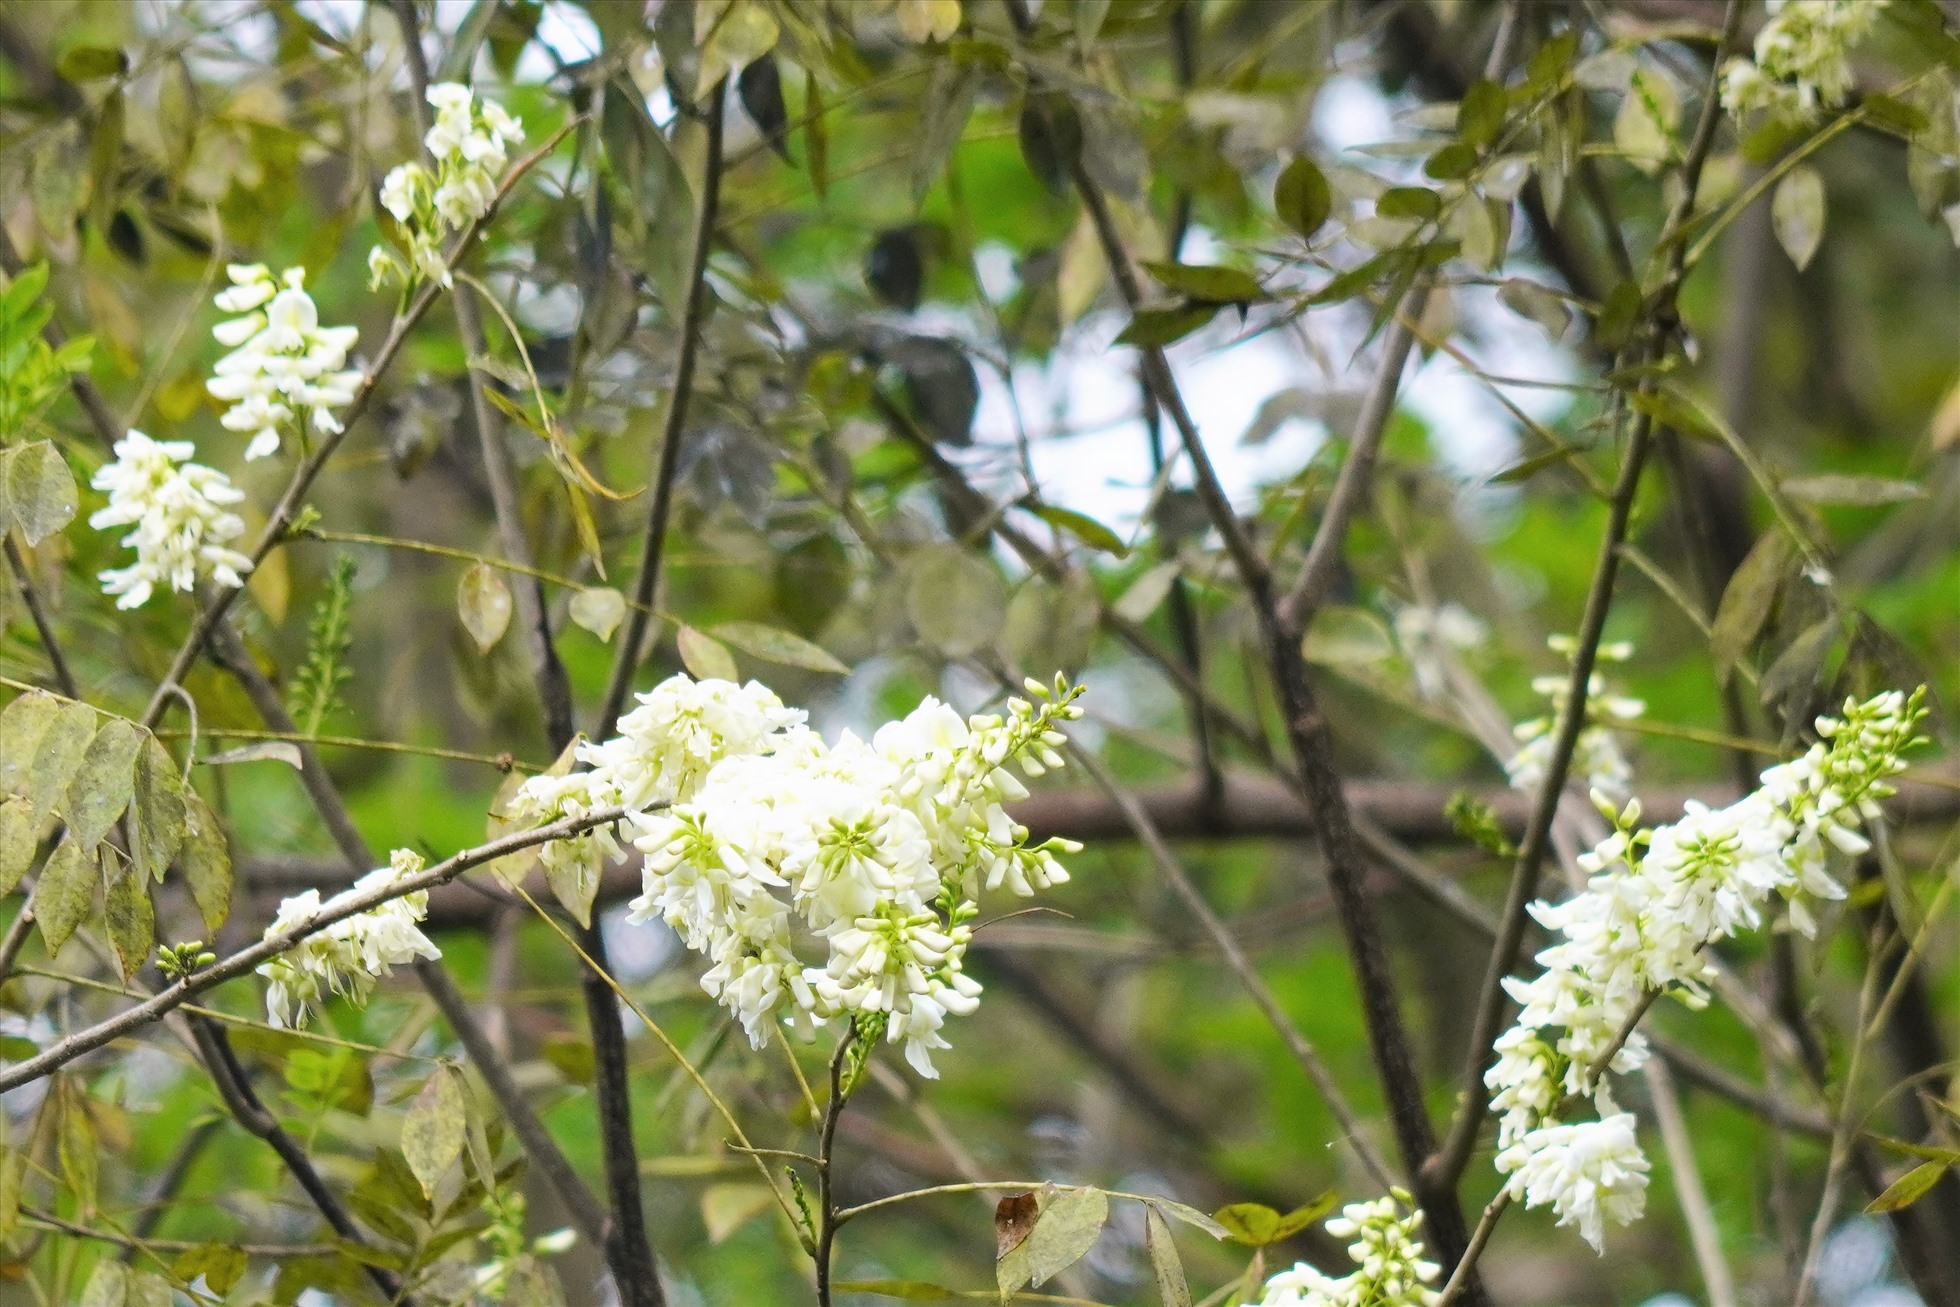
<point>59,755</point>
<point>221,1266</point>
<point>1165,1265</point>
<point>63,895</point>
<point>1070,1222</point>
<point>130,917</point>
<point>599,609</point>
<point>1192,1217</point>
<point>41,495</point>
<point>1540,304</point>
<point>432,1132</point>
<point>1301,1217</point>
<point>956,599</point>
<point>1909,1188</point>
<point>1146,593</point>
<point>1084,528</point>
<point>22,725</point>
<point>1207,283</point>
<point>102,786</point>
<point>20,839</point>
<point>483,603</point>
<point>1746,601</point>
<point>1343,635</point>
<point>1301,197</point>
<point>1797,211</point>
<point>1254,1224</point>
<point>206,862</point>
<point>1859,491</point>
<point>157,828</point>
<point>1524,469</point>
<point>771,644</point>
<point>706,658</point>
<point>85,63</point>
<point>13,1171</point>
<point>1451,163</point>
<point>1418,202</point>
<point>76,1145</point>
<point>1480,115</point>
<point>1159,327</point>
<point>1800,666</point>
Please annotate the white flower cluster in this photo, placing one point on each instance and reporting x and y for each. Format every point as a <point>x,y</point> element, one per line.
<point>178,510</point>
<point>754,829</point>
<point>348,956</point>
<point>1654,900</point>
<point>283,362</point>
<point>470,146</point>
<point>1596,754</point>
<point>1803,58</point>
<point>1392,1271</point>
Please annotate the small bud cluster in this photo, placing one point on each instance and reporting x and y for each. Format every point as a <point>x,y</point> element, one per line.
<point>351,954</point>
<point>1803,59</point>
<point>1654,900</point>
<point>1391,1270</point>
<point>181,515</point>
<point>757,833</point>
<point>284,363</point>
<point>1596,754</point>
<point>469,146</point>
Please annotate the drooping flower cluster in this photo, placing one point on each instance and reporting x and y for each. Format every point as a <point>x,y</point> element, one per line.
<point>470,148</point>
<point>1391,1270</point>
<point>1803,58</point>
<point>348,956</point>
<point>283,362</point>
<point>180,515</point>
<point>1596,754</point>
<point>758,835</point>
<point>1654,900</point>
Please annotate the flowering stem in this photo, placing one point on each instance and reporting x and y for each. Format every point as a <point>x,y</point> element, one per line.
<point>244,960</point>
<point>827,1217</point>
<point>1447,1166</point>
<point>286,512</point>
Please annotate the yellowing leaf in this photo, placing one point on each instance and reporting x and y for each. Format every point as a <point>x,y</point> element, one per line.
<point>1910,1187</point>
<point>40,490</point>
<point>1797,212</point>
<point>101,786</point>
<point>726,1208</point>
<point>483,604</point>
<point>599,610</point>
<point>955,598</point>
<point>706,658</point>
<point>432,1132</point>
<point>206,861</point>
<point>777,646</point>
<point>63,894</point>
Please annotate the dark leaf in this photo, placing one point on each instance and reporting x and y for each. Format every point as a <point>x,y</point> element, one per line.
<point>1160,327</point>
<point>1051,138</point>
<point>1207,284</point>
<point>895,269</point>
<point>761,89</point>
<point>1301,196</point>
<point>1014,1217</point>
<point>941,385</point>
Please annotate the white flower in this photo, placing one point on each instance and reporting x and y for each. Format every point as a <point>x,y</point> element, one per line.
<point>1428,636</point>
<point>283,363</point>
<point>178,510</point>
<point>578,862</point>
<point>682,728</point>
<point>758,839</point>
<point>349,955</point>
<point>1803,58</point>
<point>1653,903</point>
<point>470,147</point>
<point>1596,752</point>
<point>1392,1271</point>
<point>1587,1173</point>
